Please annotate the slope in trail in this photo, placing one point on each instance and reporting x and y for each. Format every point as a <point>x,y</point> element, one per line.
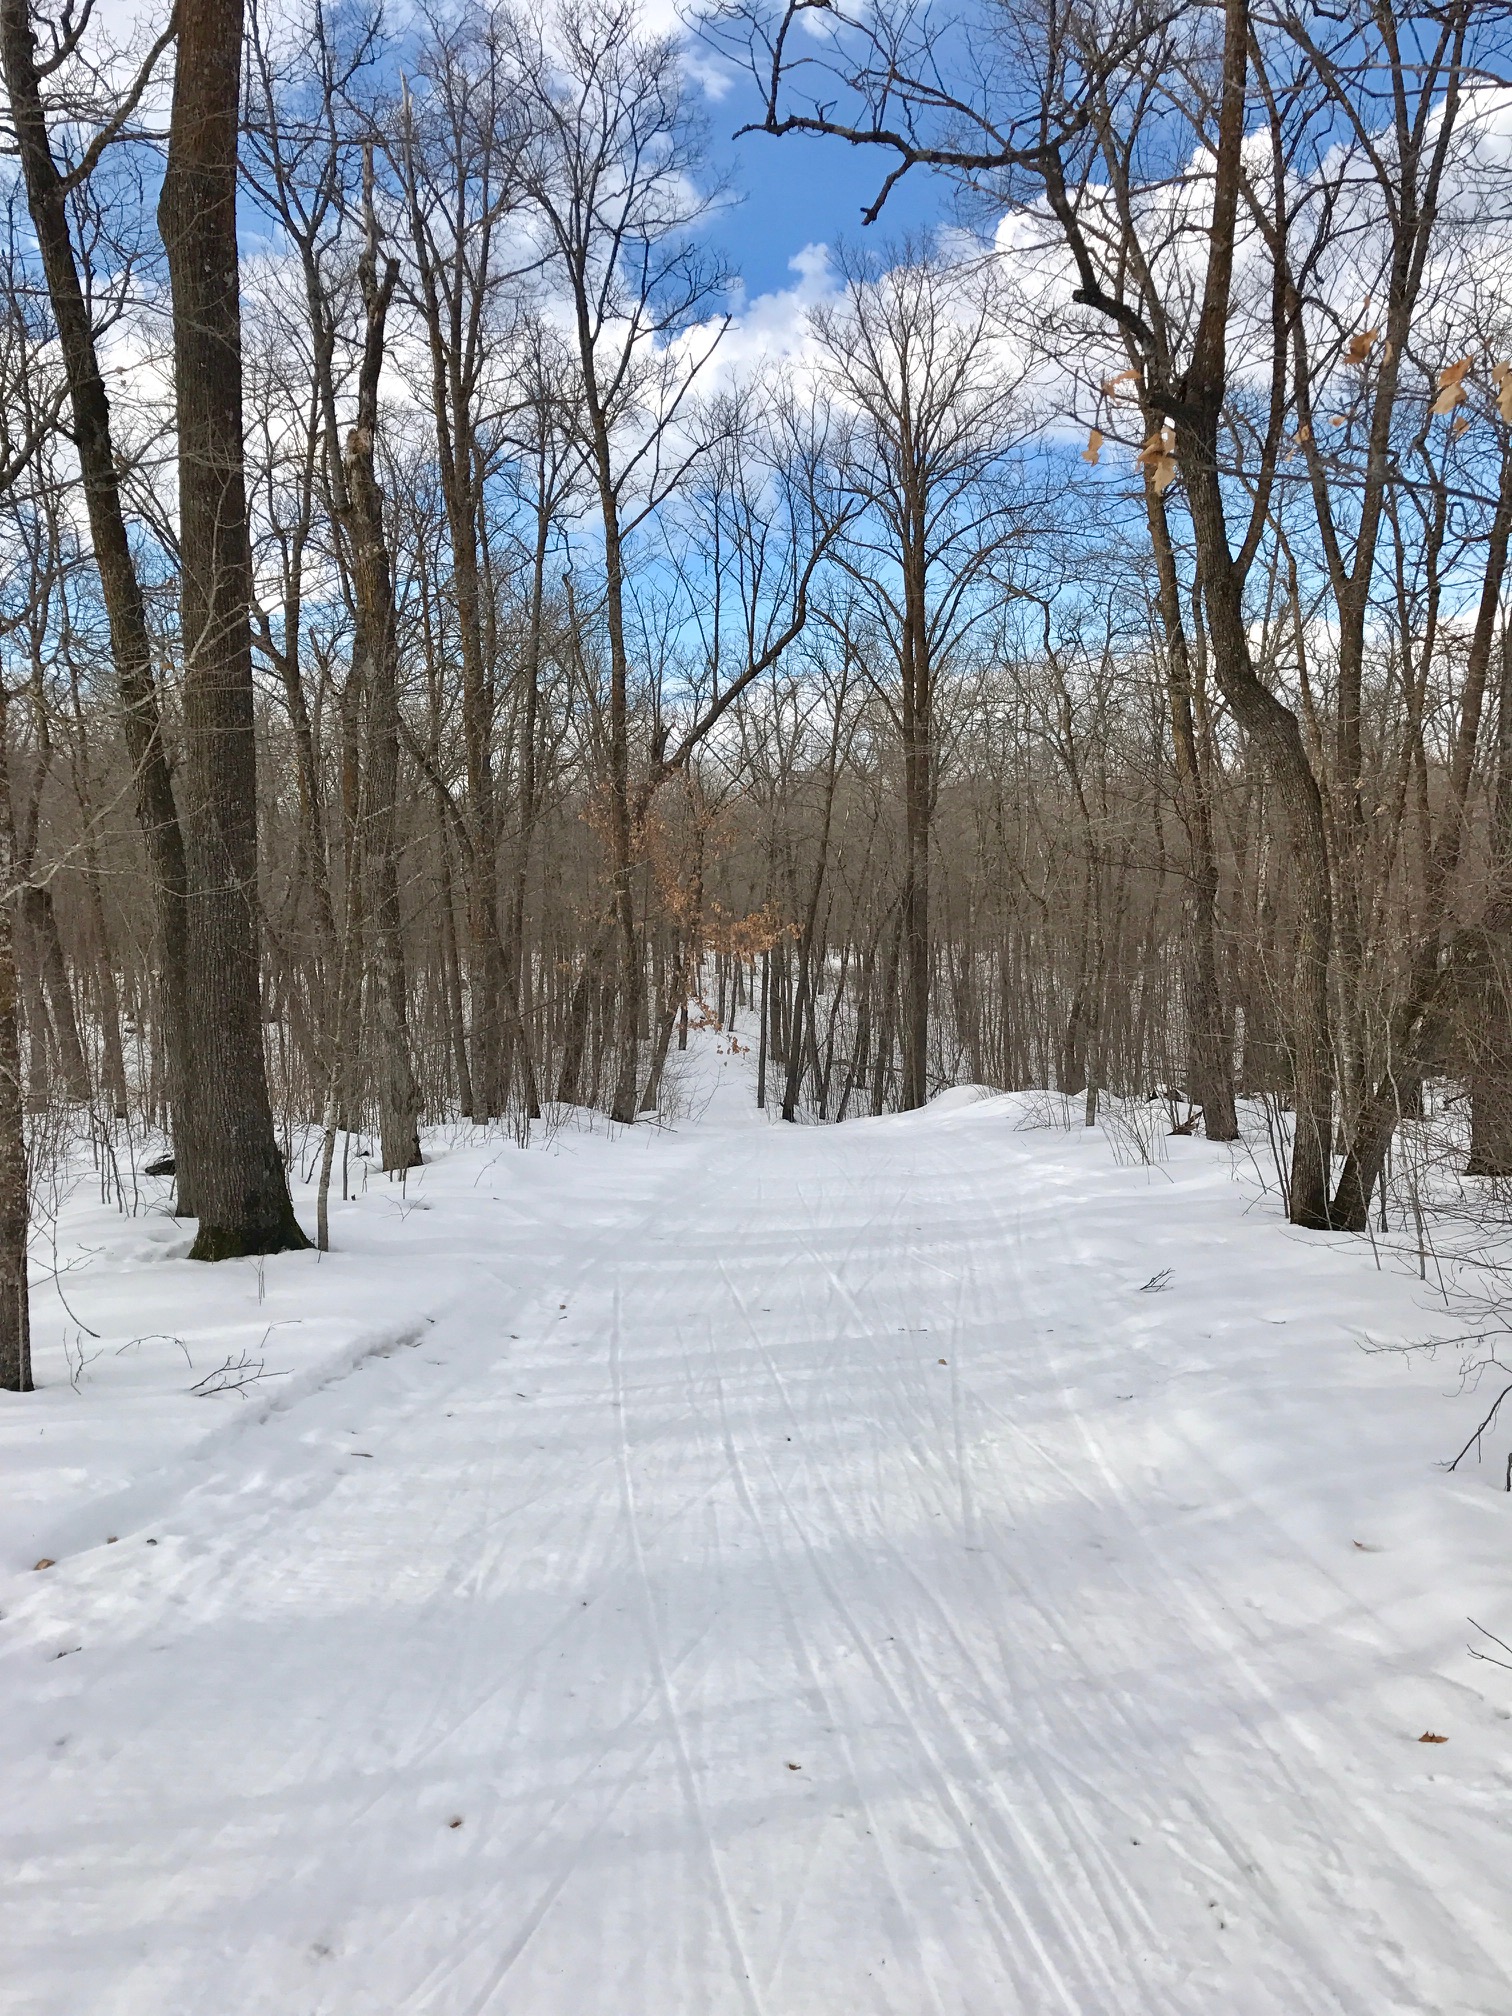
<point>918,1566</point>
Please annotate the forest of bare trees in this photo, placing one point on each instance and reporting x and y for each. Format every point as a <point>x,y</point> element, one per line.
<point>441,662</point>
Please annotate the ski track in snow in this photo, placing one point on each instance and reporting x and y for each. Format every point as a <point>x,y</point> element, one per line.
<point>1101,1647</point>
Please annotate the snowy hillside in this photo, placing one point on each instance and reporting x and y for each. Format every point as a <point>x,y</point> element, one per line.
<point>925,1566</point>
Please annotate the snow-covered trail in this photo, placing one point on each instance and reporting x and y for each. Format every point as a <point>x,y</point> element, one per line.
<point>820,1577</point>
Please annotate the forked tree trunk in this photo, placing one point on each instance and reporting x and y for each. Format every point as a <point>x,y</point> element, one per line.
<point>241,1191</point>
<point>1271,727</point>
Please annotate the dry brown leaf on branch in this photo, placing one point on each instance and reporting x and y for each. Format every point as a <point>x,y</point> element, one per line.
<point>1111,385</point>
<point>1093,449</point>
<point>1360,346</point>
<point>1336,420</point>
<point>1501,378</point>
<point>1459,426</point>
<point>1451,387</point>
<point>1158,459</point>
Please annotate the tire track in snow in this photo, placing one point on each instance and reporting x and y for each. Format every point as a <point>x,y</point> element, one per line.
<point>803,1655</point>
<point>658,1659</point>
<point>1007,1918</point>
<point>1098,1869</point>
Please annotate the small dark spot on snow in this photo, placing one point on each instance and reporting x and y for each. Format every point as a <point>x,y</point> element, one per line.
<point>944,1361</point>
<point>46,1562</point>
<point>455,1820</point>
<point>795,1767</point>
<point>152,1543</point>
<point>110,1539</point>
<point>67,1650</point>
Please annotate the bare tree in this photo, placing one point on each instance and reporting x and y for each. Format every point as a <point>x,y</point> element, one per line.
<point>915,356</point>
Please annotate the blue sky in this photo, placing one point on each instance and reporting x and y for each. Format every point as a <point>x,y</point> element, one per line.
<point>799,191</point>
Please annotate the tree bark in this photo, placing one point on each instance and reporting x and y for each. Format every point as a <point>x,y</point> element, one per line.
<point>1212,1064</point>
<point>241,1190</point>
<point>375,651</point>
<point>15,1317</point>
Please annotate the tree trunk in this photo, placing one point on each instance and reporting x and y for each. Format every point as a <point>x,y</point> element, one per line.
<point>15,1318</point>
<point>52,972</point>
<point>241,1190</point>
<point>375,650</point>
<point>1273,729</point>
<point>918,792</point>
<point>1488,1010</point>
<point>15,1216</point>
<point>1212,1064</point>
<point>882,1063</point>
<point>570,1080</point>
<point>1488,1041</point>
<point>107,993</point>
<point>762,1041</point>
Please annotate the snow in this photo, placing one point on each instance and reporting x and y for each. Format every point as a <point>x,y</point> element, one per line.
<point>822,1570</point>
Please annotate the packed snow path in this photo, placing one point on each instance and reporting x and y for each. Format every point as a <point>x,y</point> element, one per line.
<point>796,1572</point>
